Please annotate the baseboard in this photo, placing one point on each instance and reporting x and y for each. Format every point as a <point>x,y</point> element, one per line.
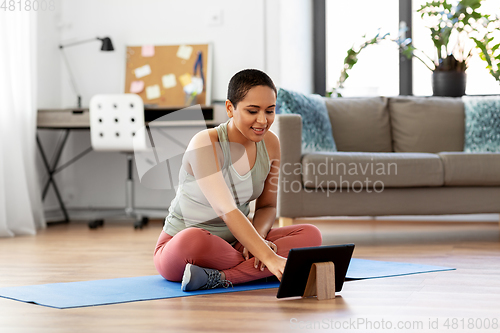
<point>92,213</point>
<point>416,218</point>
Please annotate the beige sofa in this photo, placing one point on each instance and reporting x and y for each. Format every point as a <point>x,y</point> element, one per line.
<point>396,156</point>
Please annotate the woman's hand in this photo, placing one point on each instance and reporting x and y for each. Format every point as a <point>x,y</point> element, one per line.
<point>246,255</point>
<point>258,261</point>
<point>277,266</point>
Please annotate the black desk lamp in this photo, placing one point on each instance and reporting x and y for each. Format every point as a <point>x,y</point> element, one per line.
<point>107,45</point>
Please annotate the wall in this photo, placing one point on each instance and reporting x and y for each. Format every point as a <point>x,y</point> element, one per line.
<point>49,81</point>
<point>272,35</point>
<point>296,45</point>
<point>49,66</point>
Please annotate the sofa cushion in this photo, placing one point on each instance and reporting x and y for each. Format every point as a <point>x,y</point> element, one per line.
<point>427,124</point>
<point>482,124</point>
<point>360,124</point>
<point>371,170</point>
<point>471,169</point>
<point>316,128</point>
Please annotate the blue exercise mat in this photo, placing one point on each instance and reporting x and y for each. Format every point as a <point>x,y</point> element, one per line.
<point>111,291</point>
<point>370,269</point>
<point>122,290</point>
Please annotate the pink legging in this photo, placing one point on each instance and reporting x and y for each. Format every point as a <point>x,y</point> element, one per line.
<point>199,247</point>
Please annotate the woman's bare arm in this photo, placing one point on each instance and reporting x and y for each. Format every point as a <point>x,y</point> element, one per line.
<point>265,205</point>
<point>202,160</point>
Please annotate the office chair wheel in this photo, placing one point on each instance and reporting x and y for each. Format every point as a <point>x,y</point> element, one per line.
<point>139,224</point>
<point>95,224</point>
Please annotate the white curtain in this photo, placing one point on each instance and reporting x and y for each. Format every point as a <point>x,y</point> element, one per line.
<point>21,210</point>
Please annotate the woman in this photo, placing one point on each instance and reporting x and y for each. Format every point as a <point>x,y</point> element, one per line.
<point>207,240</point>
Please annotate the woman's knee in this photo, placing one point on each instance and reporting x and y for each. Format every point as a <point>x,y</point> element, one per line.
<point>313,234</point>
<point>192,233</point>
<point>191,242</point>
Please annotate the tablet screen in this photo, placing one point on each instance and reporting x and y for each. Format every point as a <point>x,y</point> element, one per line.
<point>300,260</point>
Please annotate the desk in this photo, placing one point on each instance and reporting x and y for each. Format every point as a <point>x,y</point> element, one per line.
<point>79,118</point>
<point>66,120</point>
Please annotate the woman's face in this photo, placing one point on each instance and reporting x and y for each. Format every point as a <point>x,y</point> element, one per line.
<point>254,114</point>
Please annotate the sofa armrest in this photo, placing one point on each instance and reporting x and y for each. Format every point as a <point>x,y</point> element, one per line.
<point>288,127</point>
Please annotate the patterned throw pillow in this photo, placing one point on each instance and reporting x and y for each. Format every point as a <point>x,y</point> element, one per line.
<point>316,127</point>
<point>482,124</point>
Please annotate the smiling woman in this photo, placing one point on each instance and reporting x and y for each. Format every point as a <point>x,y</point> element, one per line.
<point>207,240</point>
<point>257,116</point>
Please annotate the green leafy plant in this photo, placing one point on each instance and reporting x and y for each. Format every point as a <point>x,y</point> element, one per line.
<point>451,27</point>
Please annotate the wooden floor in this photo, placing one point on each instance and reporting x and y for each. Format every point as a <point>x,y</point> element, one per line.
<point>471,294</point>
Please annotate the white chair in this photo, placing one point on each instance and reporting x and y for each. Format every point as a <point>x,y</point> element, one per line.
<point>117,124</point>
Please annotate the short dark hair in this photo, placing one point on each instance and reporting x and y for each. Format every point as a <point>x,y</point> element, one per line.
<point>244,80</point>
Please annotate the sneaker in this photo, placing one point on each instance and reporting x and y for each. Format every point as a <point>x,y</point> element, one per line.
<point>198,278</point>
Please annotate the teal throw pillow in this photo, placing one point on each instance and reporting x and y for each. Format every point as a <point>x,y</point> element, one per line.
<point>316,127</point>
<point>482,124</point>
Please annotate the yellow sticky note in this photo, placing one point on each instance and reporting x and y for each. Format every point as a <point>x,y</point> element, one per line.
<point>153,92</point>
<point>185,79</point>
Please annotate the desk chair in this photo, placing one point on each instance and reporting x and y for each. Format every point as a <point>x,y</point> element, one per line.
<point>115,125</point>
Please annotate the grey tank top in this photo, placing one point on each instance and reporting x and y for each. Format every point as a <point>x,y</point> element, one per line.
<point>190,208</point>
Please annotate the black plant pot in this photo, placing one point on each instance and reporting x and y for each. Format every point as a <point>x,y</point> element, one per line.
<point>449,83</point>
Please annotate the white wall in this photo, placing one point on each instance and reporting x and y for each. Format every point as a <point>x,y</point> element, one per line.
<point>49,81</point>
<point>237,42</point>
<point>296,43</point>
<point>49,66</point>
<point>272,35</point>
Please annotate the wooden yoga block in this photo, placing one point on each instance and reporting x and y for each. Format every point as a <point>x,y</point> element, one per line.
<point>321,281</point>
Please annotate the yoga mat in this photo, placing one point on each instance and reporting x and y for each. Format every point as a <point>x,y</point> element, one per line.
<point>112,291</point>
<point>122,290</point>
<point>370,269</point>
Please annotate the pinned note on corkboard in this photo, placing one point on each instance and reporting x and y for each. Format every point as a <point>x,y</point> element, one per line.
<point>170,75</point>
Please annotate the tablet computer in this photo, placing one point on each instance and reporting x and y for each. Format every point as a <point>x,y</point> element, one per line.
<point>300,260</point>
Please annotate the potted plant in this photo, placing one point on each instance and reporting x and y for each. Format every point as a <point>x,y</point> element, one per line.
<point>451,27</point>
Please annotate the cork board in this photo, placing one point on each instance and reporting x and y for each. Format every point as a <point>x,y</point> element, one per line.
<point>159,74</point>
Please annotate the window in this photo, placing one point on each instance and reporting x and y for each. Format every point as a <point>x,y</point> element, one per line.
<point>377,70</point>
<point>479,80</point>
